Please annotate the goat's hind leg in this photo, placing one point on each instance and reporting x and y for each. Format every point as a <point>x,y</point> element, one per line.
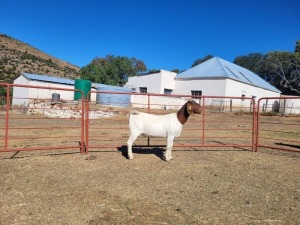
<point>130,141</point>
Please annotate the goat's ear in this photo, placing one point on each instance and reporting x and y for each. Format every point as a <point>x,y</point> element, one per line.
<point>189,108</point>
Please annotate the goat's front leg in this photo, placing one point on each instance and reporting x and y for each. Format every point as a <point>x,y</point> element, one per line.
<point>168,154</point>
<point>130,141</point>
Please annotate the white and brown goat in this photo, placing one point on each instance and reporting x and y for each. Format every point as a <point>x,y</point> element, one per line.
<point>169,125</point>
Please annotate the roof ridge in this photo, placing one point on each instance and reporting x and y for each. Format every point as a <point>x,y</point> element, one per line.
<point>217,58</point>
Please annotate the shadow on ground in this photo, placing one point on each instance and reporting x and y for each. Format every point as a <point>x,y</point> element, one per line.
<point>159,152</point>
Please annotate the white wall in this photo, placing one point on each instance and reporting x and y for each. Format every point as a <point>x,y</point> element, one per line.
<point>290,106</point>
<point>157,102</point>
<point>151,82</point>
<point>20,93</point>
<point>167,80</point>
<point>41,93</point>
<point>209,87</point>
<point>155,83</point>
<point>235,88</point>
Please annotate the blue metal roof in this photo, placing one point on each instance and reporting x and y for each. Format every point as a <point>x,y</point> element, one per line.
<point>60,80</point>
<point>217,67</point>
<point>45,78</point>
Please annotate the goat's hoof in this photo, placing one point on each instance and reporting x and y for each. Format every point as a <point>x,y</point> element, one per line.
<point>130,158</point>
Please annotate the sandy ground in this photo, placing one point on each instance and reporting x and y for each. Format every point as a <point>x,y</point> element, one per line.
<point>197,187</point>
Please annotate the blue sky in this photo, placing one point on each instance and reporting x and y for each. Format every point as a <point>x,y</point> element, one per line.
<point>164,34</point>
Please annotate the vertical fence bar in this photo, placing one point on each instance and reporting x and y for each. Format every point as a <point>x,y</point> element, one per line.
<point>83,116</point>
<point>87,124</point>
<point>7,117</point>
<point>253,125</point>
<point>203,120</point>
<point>257,124</point>
<point>148,139</point>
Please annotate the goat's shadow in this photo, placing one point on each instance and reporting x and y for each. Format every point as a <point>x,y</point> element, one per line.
<point>159,152</point>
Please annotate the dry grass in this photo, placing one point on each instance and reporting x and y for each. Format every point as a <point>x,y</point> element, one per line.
<point>200,186</point>
<point>197,187</point>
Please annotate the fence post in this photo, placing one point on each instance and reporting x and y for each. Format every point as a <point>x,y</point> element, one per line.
<point>254,130</point>
<point>257,125</point>
<point>7,116</point>
<point>203,119</point>
<point>148,139</point>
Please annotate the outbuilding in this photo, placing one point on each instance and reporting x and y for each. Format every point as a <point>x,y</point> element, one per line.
<point>21,95</point>
<point>34,86</point>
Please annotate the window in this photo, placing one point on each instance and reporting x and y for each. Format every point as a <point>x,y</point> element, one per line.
<point>167,91</point>
<point>243,99</point>
<point>143,90</point>
<point>196,94</point>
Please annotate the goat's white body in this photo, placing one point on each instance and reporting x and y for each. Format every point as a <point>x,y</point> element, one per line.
<point>154,126</point>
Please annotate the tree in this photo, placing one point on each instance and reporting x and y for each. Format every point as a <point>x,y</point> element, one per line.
<point>251,61</point>
<point>112,70</point>
<point>199,61</point>
<point>283,71</point>
<point>297,51</point>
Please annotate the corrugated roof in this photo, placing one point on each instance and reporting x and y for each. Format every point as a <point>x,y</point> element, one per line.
<point>217,67</point>
<point>60,80</point>
<point>45,78</point>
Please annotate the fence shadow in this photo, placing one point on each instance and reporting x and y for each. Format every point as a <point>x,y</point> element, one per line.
<point>288,145</point>
<point>26,154</point>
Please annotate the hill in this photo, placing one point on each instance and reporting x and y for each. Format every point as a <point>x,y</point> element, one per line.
<point>17,56</point>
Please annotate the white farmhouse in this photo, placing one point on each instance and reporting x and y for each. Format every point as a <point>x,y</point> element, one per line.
<point>218,77</point>
<point>214,77</point>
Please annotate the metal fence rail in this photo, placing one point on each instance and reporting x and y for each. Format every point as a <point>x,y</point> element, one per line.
<point>43,123</point>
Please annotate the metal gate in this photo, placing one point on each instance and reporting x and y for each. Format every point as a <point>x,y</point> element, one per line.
<point>278,124</point>
<point>36,121</point>
<point>224,122</point>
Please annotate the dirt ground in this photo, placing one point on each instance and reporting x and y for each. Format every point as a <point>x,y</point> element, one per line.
<point>199,186</point>
<point>196,187</point>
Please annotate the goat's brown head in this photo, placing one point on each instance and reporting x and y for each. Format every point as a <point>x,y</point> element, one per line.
<point>188,109</point>
<point>193,107</point>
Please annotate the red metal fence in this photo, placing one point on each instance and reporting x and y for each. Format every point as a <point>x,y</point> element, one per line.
<point>40,122</point>
<point>224,122</point>
<point>278,124</point>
